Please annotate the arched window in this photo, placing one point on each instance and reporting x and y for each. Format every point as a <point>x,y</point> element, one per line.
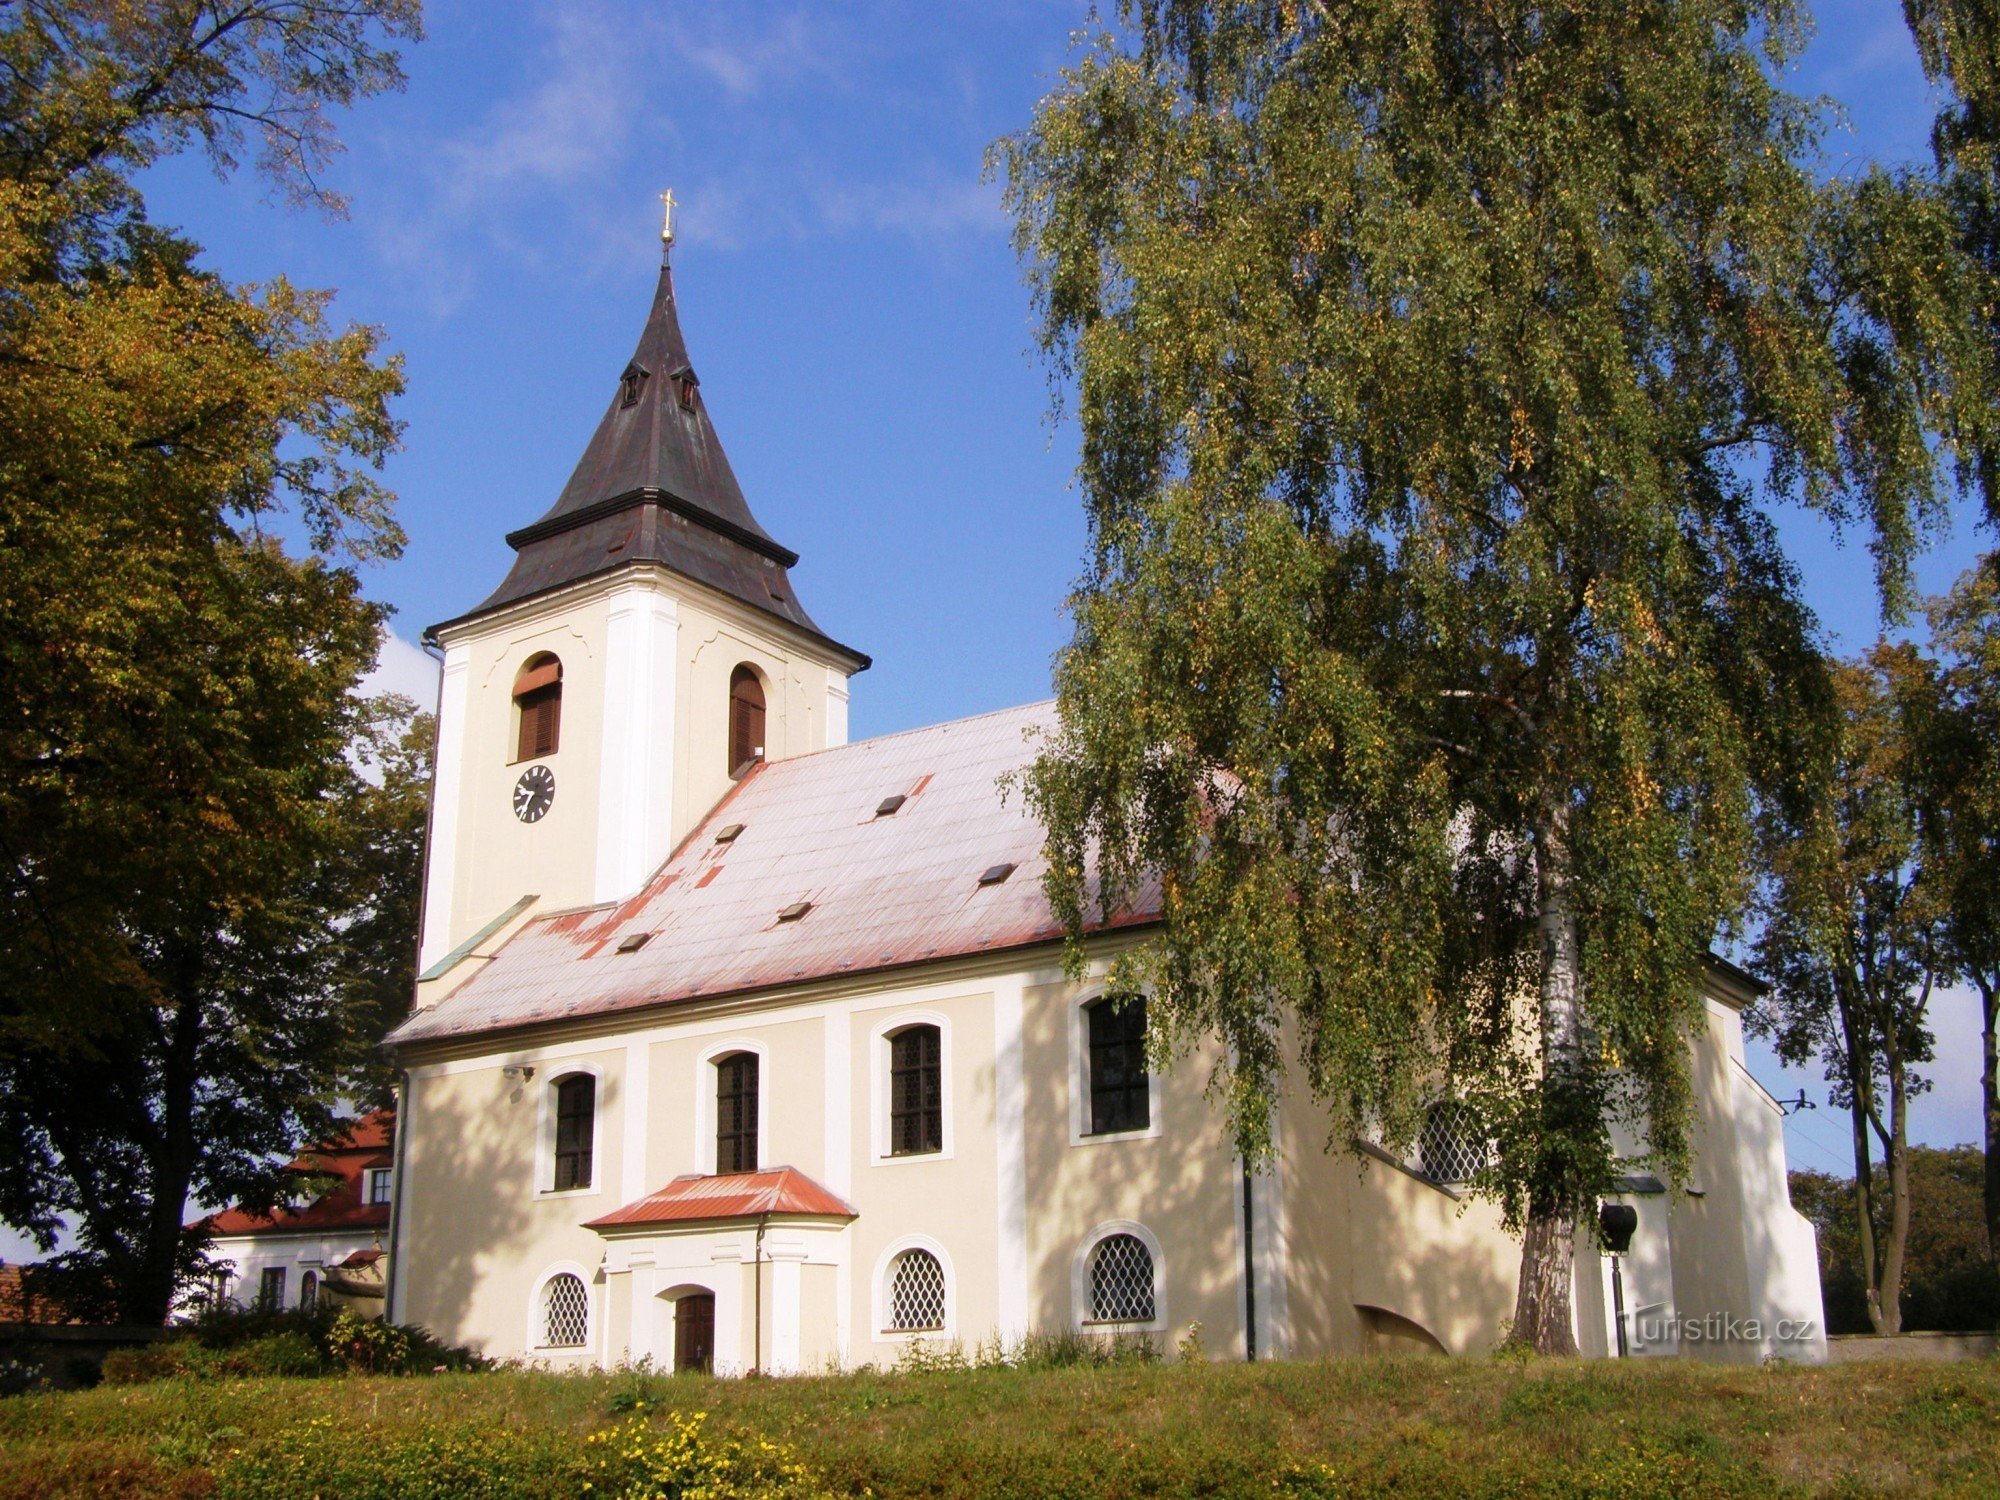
<point>1121,1280</point>
<point>1453,1147</point>
<point>916,1092</point>
<point>309,1293</point>
<point>736,1112</point>
<point>1119,1088</point>
<point>565,1312</point>
<point>576,1130</point>
<point>538,707</point>
<point>746,719</point>
<point>916,1293</point>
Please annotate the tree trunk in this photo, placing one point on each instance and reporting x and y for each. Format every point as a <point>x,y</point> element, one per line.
<point>1543,1318</point>
<point>1885,1297</point>
<point>1861,1076</point>
<point>1989,991</point>
<point>150,1298</point>
<point>1542,1312</point>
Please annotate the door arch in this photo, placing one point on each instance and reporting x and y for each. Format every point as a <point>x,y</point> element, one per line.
<point>691,1313</point>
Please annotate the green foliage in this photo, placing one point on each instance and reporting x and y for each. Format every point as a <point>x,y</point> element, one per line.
<point>1854,945</point>
<point>1960,786</point>
<point>177,799</point>
<point>240,1345</point>
<point>640,1459</point>
<point>1437,369</point>
<point>1449,1429</point>
<point>1949,1283</point>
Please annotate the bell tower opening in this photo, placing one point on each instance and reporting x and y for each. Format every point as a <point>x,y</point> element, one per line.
<point>746,721</point>
<point>538,707</point>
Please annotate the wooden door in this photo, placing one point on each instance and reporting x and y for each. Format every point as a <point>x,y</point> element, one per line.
<point>694,1333</point>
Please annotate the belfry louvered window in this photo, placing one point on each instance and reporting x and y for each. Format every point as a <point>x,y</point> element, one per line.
<point>1121,1280</point>
<point>576,1129</point>
<point>538,708</point>
<point>736,1113</point>
<point>1120,1093</point>
<point>916,1293</point>
<point>916,1091</point>
<point>746,719</point>
<point>565,1312</point>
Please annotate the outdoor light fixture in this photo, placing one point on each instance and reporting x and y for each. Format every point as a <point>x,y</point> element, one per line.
<point>519,1072</point>
<point>1615,1223</point>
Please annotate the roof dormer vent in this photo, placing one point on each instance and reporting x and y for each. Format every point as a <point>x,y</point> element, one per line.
<point>630,382</point>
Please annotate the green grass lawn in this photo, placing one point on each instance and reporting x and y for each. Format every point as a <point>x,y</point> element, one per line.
<point>1418,1428</point>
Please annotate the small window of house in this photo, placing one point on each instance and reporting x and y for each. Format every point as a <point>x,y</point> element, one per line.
<point>565,1312</point>
<point>1119,1087</point>
<point>1121,1280</point>
<point>576,1122</point>
<point>746,719</point>
<point>309,1293</point>
<point>916,1293</point>
<point>736,1113</point>
<point>271,1289</point>
<point>378,1187</point>
<point>538,707</point>
<point>916,1092</point>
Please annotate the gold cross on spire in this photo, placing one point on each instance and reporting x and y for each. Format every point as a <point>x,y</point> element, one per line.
<point>667,217</point>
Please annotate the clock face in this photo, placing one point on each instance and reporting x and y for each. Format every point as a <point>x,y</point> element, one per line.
<point>533,793</point>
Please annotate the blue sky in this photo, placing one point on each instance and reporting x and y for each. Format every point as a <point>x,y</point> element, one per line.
<point>852,302</point>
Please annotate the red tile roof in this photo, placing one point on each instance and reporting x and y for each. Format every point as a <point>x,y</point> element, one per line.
<point>696,1198</point>
<point>346,1159</point>
<point>880,891</point>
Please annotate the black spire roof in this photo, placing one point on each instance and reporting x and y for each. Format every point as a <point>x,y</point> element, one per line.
<point>654,486</point>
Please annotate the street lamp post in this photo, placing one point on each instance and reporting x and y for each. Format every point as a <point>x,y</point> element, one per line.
<point>1615,1223</point>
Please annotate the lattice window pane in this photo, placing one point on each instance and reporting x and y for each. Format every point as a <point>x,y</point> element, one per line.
<point>1121,1281</point>
<point>565,1313</point>
<point>916,1293</point>
<point>1452,1148</point>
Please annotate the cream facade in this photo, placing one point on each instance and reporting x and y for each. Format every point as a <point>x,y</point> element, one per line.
<point>743,1047</point>
<point>1325,1253</point>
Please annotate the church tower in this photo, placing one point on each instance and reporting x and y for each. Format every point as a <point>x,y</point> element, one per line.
<point>645,650</point>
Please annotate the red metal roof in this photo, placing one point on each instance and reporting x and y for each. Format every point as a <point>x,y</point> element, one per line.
<point>345,1158</point>
<point>738,1195</point>
<point>884,891</point>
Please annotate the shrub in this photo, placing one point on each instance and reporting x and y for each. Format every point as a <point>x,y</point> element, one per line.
<point>367,1345</point>
<point>633,1461</point>
<point>232,1345</point>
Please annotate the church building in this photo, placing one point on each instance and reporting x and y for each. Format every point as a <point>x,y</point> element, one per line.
<point>740,1047</point>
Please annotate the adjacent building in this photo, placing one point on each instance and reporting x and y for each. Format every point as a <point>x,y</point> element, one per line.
<point>326,1251</point>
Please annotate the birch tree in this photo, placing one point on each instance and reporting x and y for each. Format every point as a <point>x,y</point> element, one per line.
<point>1437,368</point>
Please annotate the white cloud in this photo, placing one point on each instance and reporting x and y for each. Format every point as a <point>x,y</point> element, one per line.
<point>748,59</point>
<point>406,668</point>
<point>553,150</point>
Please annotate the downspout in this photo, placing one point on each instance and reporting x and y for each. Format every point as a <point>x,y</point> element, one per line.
<point>1249,1272</point>
<point>757,1282</point>
<point>432,649</point>
<point>396,1175</point>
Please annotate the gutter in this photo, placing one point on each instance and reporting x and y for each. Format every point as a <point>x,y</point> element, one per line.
<point>393,1278</point>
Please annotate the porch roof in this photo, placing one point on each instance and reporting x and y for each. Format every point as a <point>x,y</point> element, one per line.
<point>700,1198</point>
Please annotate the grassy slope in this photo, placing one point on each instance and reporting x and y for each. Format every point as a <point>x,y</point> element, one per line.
<point>1393,1427</point>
